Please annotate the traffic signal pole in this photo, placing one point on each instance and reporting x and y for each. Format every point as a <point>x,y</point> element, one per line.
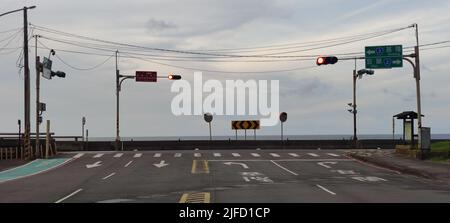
<point>117,103</point>
<point>37,154</point>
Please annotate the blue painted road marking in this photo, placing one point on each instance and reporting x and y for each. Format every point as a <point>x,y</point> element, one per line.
<point>31,168</point>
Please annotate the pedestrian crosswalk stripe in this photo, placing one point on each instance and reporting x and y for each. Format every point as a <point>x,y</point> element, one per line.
<point>177,155</point>
<point>137,155</point>
<point>274,155</point>
<point>255,154</point>
<point>217,154</point>
<point>236,154</point>
<point>118,155</point>
<point>332,154</point>
<point>313,154</point>
<point>98,155</point>
<point>197,154</point>
<point>294,154</point>
<point>157,155</point>
<point>78,155</point>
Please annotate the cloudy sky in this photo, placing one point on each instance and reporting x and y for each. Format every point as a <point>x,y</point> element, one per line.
<point>315,99</point>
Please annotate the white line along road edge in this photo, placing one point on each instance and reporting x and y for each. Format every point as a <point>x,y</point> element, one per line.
<point>70,195</point>
<point>325,189</point>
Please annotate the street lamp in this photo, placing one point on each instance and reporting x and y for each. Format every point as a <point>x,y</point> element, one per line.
<point>26,78</point>
<point>356,74</point>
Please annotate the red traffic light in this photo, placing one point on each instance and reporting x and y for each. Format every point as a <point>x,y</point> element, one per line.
<point>326,60</point>
<point>174,77</point>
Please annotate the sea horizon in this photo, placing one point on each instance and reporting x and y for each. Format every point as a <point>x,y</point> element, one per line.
<point>250,136</point>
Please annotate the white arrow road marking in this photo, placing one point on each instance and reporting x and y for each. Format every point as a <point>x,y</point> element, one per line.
<point>70,195</point>
<point>332,154</point>
<point>177,155</point>
<point>126,165</point>
<point>98,155</point>
<point>118,155</point>
<point>236,154</point>
<point>274,155</point>
<point>255,154</point>
<point>313,154</point>
<point>157,155</point>
<point>161,164</point>
<point>137,155</point>
<point>242,164</point>
<point>325,189</point>
<point>217,154</point>
<point>96,164</point>
<point>78,155</point>
<point>110,175</point>
<point>197,154</point>
<point>294,154</point>
<point>324,164</point>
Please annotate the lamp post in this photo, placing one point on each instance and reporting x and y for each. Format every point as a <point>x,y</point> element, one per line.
<point>356,74</point>
<point>26,75</point>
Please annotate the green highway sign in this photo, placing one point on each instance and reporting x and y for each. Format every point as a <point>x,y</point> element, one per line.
<point>382,57</point>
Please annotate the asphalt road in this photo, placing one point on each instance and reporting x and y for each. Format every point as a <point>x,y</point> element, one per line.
<point>219,177</point>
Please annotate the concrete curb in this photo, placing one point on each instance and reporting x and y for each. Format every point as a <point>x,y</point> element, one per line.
<point>392,166</point>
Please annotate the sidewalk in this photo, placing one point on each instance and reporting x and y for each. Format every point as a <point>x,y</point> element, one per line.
<point>388,159</point>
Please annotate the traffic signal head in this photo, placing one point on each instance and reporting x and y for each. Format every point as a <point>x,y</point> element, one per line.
<point>174,77</point>
<point>59,74</point>
<point>326,60</point>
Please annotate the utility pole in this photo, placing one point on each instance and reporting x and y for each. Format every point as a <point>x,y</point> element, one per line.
<point>417,76</point>
<point>355,138</point>
<point>26,70</point>
<point>117,103</point>
<point>37,97</point>
<point>27,85</point>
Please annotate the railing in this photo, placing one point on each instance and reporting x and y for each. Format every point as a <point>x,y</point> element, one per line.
<point>9,153</point>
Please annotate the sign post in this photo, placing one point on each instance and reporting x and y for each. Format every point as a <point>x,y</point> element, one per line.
<point>283,118</point>
<point>208,118</point>
<point>249,124</point>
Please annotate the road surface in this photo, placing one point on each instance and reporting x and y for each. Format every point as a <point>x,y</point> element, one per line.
<point>217,177</point>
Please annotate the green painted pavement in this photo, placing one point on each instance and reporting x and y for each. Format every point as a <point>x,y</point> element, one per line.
<point>31,168</point>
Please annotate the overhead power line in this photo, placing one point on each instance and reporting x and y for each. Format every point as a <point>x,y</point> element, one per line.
<point>203,53</point>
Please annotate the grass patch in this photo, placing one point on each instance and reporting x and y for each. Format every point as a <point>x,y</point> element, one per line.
<point>443,146</point>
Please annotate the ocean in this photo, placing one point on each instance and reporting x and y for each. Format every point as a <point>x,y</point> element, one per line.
<point>250,136</point>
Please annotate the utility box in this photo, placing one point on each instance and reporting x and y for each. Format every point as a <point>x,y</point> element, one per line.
<point>425,138</point>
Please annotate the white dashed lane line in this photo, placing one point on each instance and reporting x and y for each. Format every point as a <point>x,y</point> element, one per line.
<point>98,155</point>
<point>157,155</point>
<point>78,155</point>
<point>126,165</point>
<point>118,155</point>
<point>137,155</point>
<point>313,154</point>
<point>255,155</point>
<point>110,175</point>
